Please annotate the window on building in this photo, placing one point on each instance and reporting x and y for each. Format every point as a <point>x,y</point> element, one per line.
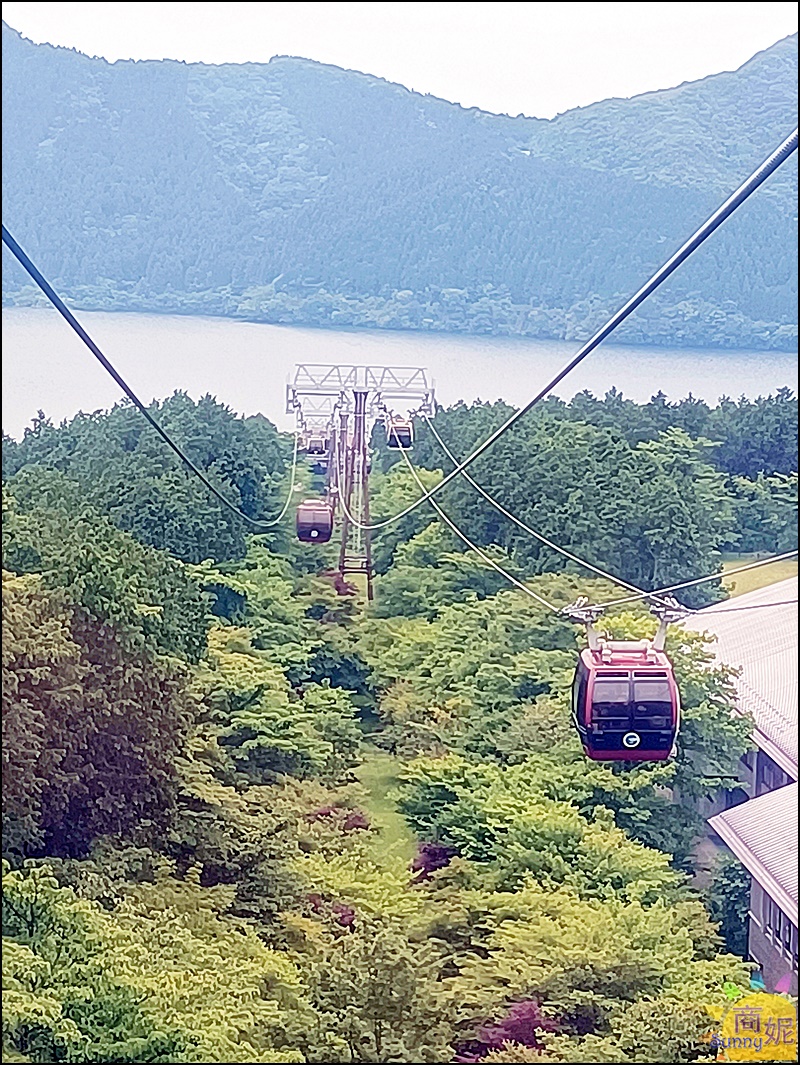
<point>768,910</point>
<point>779,929</point>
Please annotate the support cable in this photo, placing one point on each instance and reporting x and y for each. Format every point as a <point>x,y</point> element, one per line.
<point>740,609</point>
<point>474,547</point>
<point>735,200</point>
<point>656,595</point>
<point>290,490</point>
<point>588,565</point>
<point>701,580</point>
<point>523,525</point>
<point>67,314</point>
<point>779,156</point>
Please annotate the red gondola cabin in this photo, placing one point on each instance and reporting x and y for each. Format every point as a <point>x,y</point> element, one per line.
<point>314,521</point>
<point>400,434</point>
<point>625,702</point>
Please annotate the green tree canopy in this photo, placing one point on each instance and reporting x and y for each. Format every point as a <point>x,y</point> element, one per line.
<point>128,473</point>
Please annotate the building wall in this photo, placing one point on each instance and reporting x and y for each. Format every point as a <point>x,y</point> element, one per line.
<point>745,788</point>
<point>772,939</point>
<point>767,925</point>
<point>769,775</point>
<point>757,774</point>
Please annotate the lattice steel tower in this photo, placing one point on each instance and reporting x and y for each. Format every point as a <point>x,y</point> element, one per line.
<point>341,405</point>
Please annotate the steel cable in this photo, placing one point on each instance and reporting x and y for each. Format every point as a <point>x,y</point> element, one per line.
<point>474,547</point>
<point>641,594</point>
<point>523,525</point>
<point>735,200</point>
<point>699,580</point>
<point>655,595</point>
<point>67,314</point>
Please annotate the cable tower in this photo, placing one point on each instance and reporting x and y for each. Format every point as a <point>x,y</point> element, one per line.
<point>337,408</point>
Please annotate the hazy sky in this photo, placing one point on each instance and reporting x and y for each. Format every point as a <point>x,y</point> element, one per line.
<point>535,58</point>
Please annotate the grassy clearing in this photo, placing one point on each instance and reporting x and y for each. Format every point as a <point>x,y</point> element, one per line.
<point>756,578</point>
<point>378,776</point>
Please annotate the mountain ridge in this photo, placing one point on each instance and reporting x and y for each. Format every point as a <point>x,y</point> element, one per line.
<point>300,192</point>
<point>387,81</point>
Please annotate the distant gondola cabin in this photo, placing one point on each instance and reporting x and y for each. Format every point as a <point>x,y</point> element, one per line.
<point>400,434</point>
<point>625,702</point>
<point>314,521</point>
<point>317,445</point>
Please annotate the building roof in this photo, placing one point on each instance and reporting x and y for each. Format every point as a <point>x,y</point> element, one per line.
<point>762,643</point>
<point>762,833</point>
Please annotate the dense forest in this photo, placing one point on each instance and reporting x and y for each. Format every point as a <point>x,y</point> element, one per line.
<point>302,193</point>
<point>249,819</point>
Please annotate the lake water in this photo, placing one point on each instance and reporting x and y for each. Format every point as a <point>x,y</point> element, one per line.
<point>247,365</point>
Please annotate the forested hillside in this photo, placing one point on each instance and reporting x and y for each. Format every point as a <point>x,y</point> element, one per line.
<point>249,819</point>
<point>297,192</point>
